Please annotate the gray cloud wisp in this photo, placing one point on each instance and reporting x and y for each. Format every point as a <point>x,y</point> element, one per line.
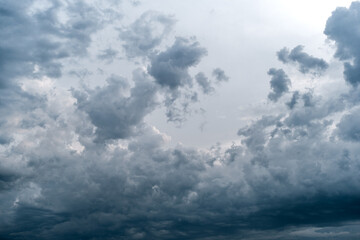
<point>305,61</point>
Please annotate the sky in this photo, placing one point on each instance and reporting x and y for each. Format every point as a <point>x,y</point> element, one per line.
<point>207,119</point>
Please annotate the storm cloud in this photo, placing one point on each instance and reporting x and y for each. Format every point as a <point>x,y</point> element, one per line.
<point>91,162</point>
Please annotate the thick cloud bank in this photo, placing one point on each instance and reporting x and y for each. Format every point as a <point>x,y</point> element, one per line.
<point>85,163</point>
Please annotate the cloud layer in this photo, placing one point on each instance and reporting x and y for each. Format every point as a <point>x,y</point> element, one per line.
<point>86,163</point>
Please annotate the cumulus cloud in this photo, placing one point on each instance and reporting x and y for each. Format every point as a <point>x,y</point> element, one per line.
<point>113,113</point>
<point>279,83</point>
<point>85,163</point>
<point>170,67</point>
<point>146,33</point>
<point>305,61</point>
<point>341,27</point>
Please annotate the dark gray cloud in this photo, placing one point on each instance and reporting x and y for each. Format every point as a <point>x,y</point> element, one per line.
<point>146,33</point>
<point>272,182</point>
<point>170,67</point>
<point>7,178</point>
<point>220,75</point>
<point>113,113</point>
<point>292,170</point>
<point>342,28</point>
<point>45,40</point>
<point>305,61</point>
<point>348,128</point>
<point>279,83</point>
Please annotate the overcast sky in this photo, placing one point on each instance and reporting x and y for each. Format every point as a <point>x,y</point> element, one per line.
<point>207,119</point>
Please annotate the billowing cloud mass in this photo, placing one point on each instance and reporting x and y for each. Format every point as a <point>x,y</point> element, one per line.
<point>86,163</point>
<point>114,114</point>
<point>305,61</point>
<point>342,27</point>
<point>45,38</point>
<point>279,83</point>
<point>170,68</point>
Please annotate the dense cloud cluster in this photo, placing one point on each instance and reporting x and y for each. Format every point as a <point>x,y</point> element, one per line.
<point>85,164</point>
<point>45,37</point>
<point>114,114</point>
<point>342,27</point>
<point>170,68</point>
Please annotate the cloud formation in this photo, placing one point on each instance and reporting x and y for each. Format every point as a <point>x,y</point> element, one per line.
<point>146,33</point>
<point>341,27</point>
<point>170,67</point>
<point>305,61</point>
<point>279,83</point>
<point>220,75</point>
<point>113,113</point>
<point>45,38</point>
<point>85,163</point>
<point>204,83</point>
